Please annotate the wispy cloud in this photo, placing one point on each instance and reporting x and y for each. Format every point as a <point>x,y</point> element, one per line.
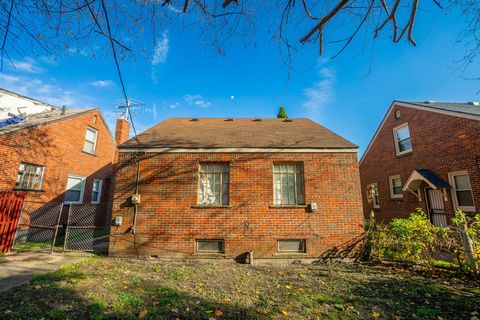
<point>160,51</point>
<point>50,92</point>
<point>174,105</point>
<point>27,65</point>
<point>102,83</point>
<point>196,100</point>
<point>320,93</point>
<point>160,54</point>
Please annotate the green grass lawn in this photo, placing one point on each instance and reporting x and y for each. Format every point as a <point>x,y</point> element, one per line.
<point>106,288</point>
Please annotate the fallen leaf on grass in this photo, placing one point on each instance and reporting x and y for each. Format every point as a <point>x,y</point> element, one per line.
<point>218,312</point>
<point>281,273</point>
<point>225,302</point>
<point>288,286</point>
<point>143,314</point>
<point>285,312</point>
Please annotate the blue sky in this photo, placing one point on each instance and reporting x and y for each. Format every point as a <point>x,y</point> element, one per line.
<point>183,77</point>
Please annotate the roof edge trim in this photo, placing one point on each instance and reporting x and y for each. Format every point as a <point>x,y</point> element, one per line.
<point>238,150</point>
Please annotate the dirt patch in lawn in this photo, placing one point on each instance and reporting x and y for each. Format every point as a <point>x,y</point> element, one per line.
<point>106,288</point>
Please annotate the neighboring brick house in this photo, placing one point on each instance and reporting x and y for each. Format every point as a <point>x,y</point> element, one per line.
<point>221,188</point>
<point>423,155</point>
<point>55,156</point>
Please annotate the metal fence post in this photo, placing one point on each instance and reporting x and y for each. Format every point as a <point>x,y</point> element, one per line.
<point>67,228</point>
<point>56,228</point>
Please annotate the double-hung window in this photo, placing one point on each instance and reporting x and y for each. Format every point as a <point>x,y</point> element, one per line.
<point>288,185</point>
<point>213,184</point>
<point>96,191</point>
<point>372,189</point>
<point>75,188</point>
<point>395,187</point>
<point>462,191</point>
<point>90,140</point>
<point>30,176</point>
<point>403,144</point>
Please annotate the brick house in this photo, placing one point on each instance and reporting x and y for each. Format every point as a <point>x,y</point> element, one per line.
<point>423,155</point>
<point>221,188</point>
<point>55,155</point>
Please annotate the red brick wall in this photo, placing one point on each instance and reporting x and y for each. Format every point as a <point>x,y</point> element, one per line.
<point>58,146</point>
<point>168,221</point>
<point>441,143</point>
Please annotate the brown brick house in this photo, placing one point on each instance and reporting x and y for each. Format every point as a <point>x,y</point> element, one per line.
<point>423,155</point>
<point>214,187</point>
<point>55,155</point>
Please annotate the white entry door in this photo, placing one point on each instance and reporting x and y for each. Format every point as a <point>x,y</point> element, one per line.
<point>436,208</point>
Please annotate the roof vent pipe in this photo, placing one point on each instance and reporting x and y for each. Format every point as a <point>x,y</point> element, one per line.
<point>64,108</point>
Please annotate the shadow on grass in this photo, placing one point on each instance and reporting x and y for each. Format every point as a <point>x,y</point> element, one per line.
<point>417,298</point>
<point>48,297</point>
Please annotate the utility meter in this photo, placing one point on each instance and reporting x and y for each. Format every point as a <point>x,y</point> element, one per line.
<point>136,198</point>
<point>118,221</point>
<point>313,207</point>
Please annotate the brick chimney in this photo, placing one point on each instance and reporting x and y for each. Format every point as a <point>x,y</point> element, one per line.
<point>122,130</point>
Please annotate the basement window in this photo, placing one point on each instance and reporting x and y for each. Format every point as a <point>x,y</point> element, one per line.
<point>292,245</point>
<point>210,246</point>
<point>30,176</point>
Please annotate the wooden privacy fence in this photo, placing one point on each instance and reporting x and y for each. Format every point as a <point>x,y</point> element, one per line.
<point>11,204</point>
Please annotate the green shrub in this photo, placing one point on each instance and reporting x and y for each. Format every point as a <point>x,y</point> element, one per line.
<point>415,239</point>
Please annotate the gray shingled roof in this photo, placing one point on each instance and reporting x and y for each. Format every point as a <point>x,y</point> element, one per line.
<point>238,133</point>
<point>433,178</point>
<point>472,108</point>
<point>42,118</point>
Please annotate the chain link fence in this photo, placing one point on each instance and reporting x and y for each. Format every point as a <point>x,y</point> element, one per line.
<point>86,230</point>
<point>74,227</point>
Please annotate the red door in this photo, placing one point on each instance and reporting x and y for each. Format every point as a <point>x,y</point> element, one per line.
<point>10,209</point>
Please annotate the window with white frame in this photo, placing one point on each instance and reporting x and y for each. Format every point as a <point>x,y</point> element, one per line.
<point>292,245</point>
<point>462,191</point>
<point>373,189</point>
<point>30,176</point>
<point>90,140</point>
<point>96,191</point>
<point>213,184</point>
<point>403,144</point>
<point>75,188</point>
<point>288,185</point>
<point>395,186</point>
